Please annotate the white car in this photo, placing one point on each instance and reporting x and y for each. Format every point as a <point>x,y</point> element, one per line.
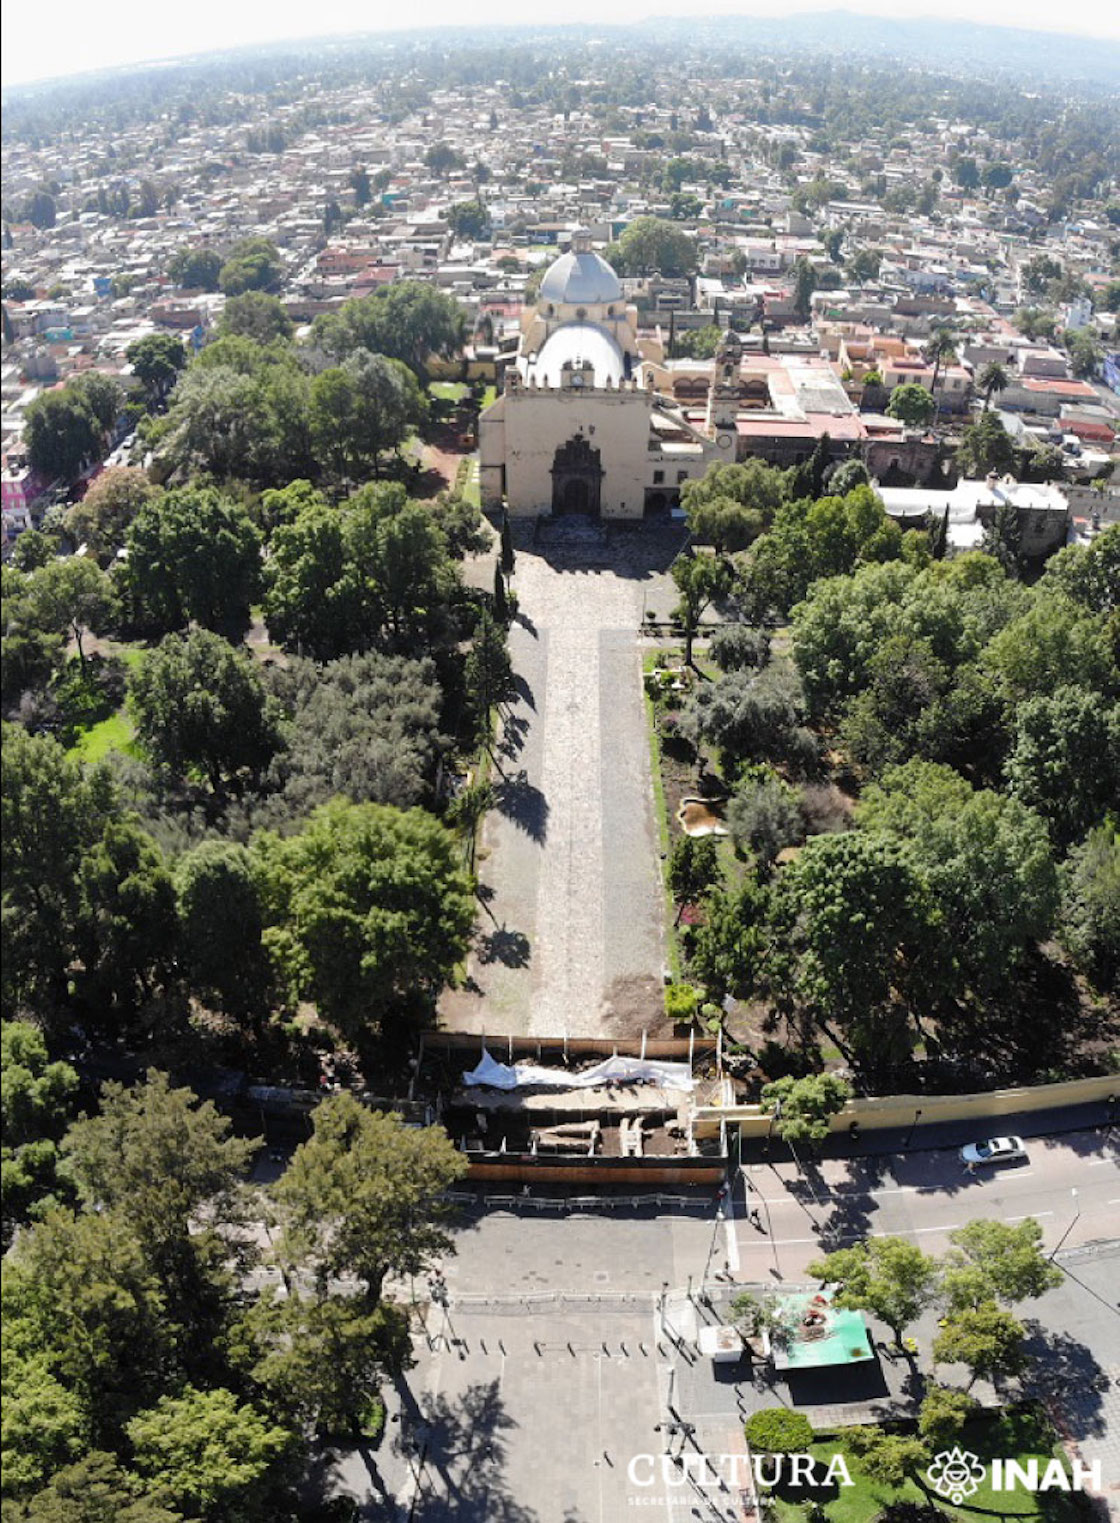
<point>995,1150</point>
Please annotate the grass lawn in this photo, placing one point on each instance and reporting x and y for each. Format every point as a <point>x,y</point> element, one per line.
<point>449,391</point>
<point>488,396</point>
<point>661,815</point>
<point>472,489</point>
<point>1012,1435</point>
<point>113,734</point>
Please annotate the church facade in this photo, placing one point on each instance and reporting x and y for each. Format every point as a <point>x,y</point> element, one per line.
<point>580,427</point>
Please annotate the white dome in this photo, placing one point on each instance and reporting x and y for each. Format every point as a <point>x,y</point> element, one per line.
<point>580,280</point>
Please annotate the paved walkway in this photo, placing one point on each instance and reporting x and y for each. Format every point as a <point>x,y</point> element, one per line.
<point>570,938</point>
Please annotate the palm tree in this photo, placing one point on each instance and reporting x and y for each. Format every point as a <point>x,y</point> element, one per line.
<point>941,350</point>
<point>992,378</point>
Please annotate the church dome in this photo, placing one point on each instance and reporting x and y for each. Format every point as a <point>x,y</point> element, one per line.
<point>580,279</point>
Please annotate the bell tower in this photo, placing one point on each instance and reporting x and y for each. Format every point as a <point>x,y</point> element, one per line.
<point>723,394</point>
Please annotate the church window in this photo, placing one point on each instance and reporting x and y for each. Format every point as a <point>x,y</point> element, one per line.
<point>658,478</point>
<point>681,476</point>
<point>581,313</point>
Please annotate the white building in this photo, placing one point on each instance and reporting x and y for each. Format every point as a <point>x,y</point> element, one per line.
<point>579,428</point>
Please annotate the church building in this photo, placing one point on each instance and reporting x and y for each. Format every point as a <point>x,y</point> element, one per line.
<point>580,427</point>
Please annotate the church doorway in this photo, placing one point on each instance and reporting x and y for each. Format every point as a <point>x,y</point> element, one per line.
<point>577,478</point>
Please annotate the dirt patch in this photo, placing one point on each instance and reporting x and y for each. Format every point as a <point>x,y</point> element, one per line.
<point>633,1005</point>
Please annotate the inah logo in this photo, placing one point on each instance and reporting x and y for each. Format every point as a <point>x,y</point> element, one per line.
<point>956,1474</point>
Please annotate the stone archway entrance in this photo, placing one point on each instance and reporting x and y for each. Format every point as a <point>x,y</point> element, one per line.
<point>577,478</point>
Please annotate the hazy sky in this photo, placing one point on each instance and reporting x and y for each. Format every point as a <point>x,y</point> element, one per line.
<point>72,35</point>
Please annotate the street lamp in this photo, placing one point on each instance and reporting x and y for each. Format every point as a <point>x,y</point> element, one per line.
<point>1069,1229</point>
<point>913,1129</point>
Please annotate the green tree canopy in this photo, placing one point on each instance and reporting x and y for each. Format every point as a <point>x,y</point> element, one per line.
<point>889,1277</point>
<point>804,1107</point>
<point>220,928</point>
<point>196,269</point>
<point>156,361</point>
<point>409,320</point>
<point>994,1260</point>
<point>650,245</point>
<point>258,316</point>
<point>366,1195</point>
<point>62,433</point>
<point>362,409</point>
<point>37,1096</point>
<point>985,447</point>
<point>252,265</point>
<point>912,405</point>
<point>986,1339</point>
<point>1090,919</point>
<point>1046,771</point>
<point>212,1455</point>
<point>100,520</point>
<point>193,556</point>
<point>367,911</point>
<point>200,704</point>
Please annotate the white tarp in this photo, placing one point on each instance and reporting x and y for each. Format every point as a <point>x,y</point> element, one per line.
<point>491,1074</point>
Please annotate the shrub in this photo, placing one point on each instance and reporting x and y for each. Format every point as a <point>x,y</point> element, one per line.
<point>779,1431</point>
<point>681,1001</point>
<point>736,646</point>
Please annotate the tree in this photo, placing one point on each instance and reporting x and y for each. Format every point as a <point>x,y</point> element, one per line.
<point>506,556</point>
<point>763,815</point>
<point>700,580</point>
<point>252,265</point>
<point>985,447</point>
<point>943,1415</point>
<point>196,269</point>
<point>734,647</point>
<point>37,1097</point>
<point>366,727</point>
<point>693,870</point>
<point>40,210</point>
<point>240,412</point>
<point>367,911</point>
<point>1090,917</point>
<point>80,1288</point>
<point>73,596</point>
<point>753,485</point>
<point>804,284</point>
<point>221,923</point>
<point>1003,538</point>
<point>100,520</point>
<point>45,1425</point>
<point>156,361</point>
<point>62,433</point>
<point>378,572</point>
<point>441,159</point>
<point>213,1456</point>
<point>987,861</point>
<point>1036,322</point>
<point>488,672</point>
<point>1037,273</point>
<point>409,320</point>
<point>1046,771</point>
<point>966,173</point>
<point>193,556</point>
<point>53,813</point>
<point>804,1107</point>
<point>165,1164</point>
<point>362,409</point>
<point>889,1458</point>
<point>863,266</point>
<point>101,394</point>
<point>942,350</point>
<point>727,950</point>
<point>912,405</point>
<point>199,703</point>
<point>1086,353</point>
<point>95,1490</point>
<point>359,182</point>
<point>997,1261</point>
<point>650,245</point>
<point>320,1360</point>
<point>986,1339</point>
<point>258,316</point>
<point>993,378</point>
<point>752,715</point>
<point>852,919</point>
<point>887,1276</point>
<point>723,523</point>
<point>366,1196</point>
<point>127,927</point>
<point>469,219</point>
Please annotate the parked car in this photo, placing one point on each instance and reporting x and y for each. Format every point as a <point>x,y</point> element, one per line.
<point>995,1151</point>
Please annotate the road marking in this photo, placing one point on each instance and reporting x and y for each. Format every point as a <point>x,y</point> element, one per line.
<point>790,1242</point>
<point>1115,1202</point>
<point>1097,1163</point>
<point>1027,1216</point>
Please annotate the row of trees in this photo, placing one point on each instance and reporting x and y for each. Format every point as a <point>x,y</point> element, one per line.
<point>145,1367</point>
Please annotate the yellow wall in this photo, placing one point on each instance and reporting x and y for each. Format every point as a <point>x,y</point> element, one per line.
<point>898,1110</point>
